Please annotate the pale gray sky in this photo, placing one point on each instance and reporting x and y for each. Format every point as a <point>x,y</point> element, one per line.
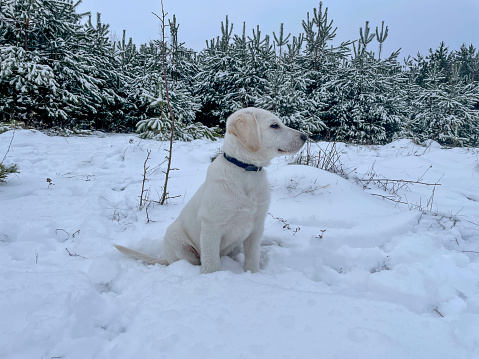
<point>414,25</point>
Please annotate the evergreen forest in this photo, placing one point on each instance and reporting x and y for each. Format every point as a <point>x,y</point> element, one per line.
<point>62,69</point>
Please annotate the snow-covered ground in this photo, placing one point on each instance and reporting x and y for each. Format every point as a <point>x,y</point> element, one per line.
<point>344,273</point>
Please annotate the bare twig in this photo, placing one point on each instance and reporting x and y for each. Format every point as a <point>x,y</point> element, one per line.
<point>147,215</point>
<point>73,254</point>
<point>328,159</point>
<point>60,229</point>
<point>420,178</point>
<point>9,146</point>
<point>286,225</point>
<point>438,312</point>
<point>68,234</point>
<point>394,186</point>
<point>472,222</point>
<point>145,171</point>
<point>399,181</point>
<point>430,201</point>
<point>320,236</point>
<point>389,198</point>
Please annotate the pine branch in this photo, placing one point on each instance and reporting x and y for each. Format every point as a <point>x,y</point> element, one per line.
<point>381,37</point>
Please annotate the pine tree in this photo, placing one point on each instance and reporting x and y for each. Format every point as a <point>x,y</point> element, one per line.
<point>184,105</point>
<point>468,60</point>
<point>28,86</point>
<point>215,78</point>
<point>285,87</point>
<point>128,66</point>
<point>7,170</point>
<point>232,74</point>
<point>250,62</point>
<point>59,71</point>
<point>320,57</point>
<point>439,60</point>
<point>445,110</point>
<point>280,41</point>
<point>320,62</point>
<point>363,103</point>
<point>159,128</point>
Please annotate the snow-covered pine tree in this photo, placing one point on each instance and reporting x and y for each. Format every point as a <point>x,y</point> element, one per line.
<point>280,41</point>
<point>216,77</point>
<point>445,111</point>
<point>285,86</point>
<point>363,102</point>
<point>319,55</point>
<point>62,71</point>
<point>439,60</point>
<point>320,62</point>
<point>159,127</point>
<point>102,64</point>
<point>143,76</point>
<point>468,59</point>
<point>262,57</point>
<point>7,170</point>
<point>275,75</point>
<point>180,69</point>
<point>127,61</point>
<point>28,88</point>
<point>252,56</point>
<point>232,74</point>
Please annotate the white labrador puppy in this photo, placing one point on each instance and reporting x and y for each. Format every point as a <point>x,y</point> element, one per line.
<point>230,207</point>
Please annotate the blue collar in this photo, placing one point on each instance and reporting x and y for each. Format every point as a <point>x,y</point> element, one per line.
<point>238,163</point>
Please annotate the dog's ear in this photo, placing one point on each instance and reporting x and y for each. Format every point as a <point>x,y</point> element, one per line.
<point>245,127</point>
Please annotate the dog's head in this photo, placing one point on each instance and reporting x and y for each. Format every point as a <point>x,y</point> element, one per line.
<point>256,136</point>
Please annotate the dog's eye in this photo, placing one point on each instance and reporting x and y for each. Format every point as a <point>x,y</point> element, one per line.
<point>274,125</point>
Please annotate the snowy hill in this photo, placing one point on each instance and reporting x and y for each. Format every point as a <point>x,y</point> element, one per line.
<point>345,272</point>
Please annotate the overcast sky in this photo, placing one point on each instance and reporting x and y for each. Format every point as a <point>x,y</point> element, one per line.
<point>414,25</point>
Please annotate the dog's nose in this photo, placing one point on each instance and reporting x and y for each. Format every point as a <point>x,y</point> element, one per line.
<point>304,137</point>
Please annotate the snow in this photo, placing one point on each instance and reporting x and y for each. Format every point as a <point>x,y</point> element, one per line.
<point>344,273</point>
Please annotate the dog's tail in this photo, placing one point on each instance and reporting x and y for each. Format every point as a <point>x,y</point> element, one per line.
<point>141,256</point>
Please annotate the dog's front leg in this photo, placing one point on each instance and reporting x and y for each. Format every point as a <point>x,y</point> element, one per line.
<point>210,242</point>
<point>252,250</point>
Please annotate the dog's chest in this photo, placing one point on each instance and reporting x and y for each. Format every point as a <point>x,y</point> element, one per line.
<point>235,201</point>
<point>250,207</point>
<point>252,202</point>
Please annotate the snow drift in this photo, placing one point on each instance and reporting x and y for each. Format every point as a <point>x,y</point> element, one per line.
<point>344,273</point>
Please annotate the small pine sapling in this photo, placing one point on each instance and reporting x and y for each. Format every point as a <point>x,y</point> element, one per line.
<point>164,196</point>
<point>7,170</point>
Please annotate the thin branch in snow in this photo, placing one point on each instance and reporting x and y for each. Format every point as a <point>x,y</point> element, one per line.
<point>9,146</point>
